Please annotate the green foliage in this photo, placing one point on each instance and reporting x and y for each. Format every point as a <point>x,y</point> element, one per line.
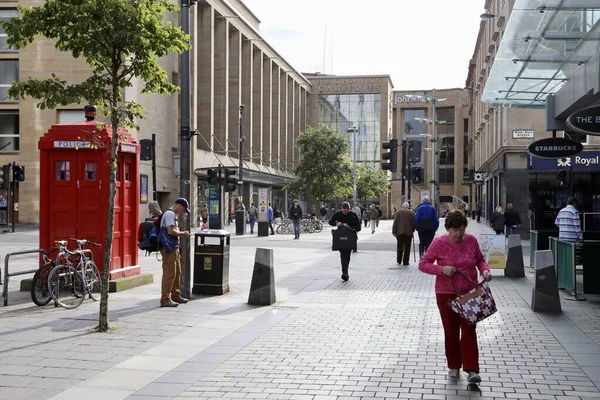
<point>370,182</point>
<point>119,39</point>
<point>324,170</point>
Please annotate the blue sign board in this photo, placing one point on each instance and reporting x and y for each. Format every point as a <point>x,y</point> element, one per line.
<point>584,161</point>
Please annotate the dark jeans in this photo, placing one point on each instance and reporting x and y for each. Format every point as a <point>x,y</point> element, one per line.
<point>499,231</point>
<point>345,258</point>
<point>296,227</point>
<point>403,249</point>
<point>252,222</point>
<point>425,238</point>
<point>366,223</point>
<point>478,216</point>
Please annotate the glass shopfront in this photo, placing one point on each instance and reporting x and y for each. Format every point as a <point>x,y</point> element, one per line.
<point>342,111</point>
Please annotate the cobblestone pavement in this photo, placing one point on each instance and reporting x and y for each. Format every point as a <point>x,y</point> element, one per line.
<point>376,336</point>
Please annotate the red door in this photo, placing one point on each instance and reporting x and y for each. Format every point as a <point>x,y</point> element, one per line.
<point>63,196</point>
<point>91,203</point>
<point>117,245</point>
<point>128,204</point>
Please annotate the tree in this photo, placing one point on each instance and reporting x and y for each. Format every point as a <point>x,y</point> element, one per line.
<point>324,169</point>
<point>121,40</point>
<point>370,182</point>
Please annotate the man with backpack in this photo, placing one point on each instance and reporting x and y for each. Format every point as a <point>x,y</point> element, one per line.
<point>169,248</point>
<point>426,224</point>
<point>252,215</point>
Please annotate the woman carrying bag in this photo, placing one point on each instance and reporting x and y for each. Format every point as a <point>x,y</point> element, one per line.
<point>497,221</point>
<point>458,258</point>
<point>345,219</point>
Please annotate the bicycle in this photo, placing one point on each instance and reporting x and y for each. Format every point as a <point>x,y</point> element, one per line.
<point>68,285</point>
<point>40,294</point>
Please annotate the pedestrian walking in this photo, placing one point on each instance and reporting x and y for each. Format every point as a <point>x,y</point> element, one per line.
<point>568,223</point>
<point>373,215</point>
<point>479,211</point>
<point>426,224</point>
<point>348,220</point>
<point>171,263</point>
<point>357,210</point>
<point>270,212</point>
<point>365,217</point>
<point>3,211</point>
<point>403,229</point>
<point>252,214</point>
<point>323,212</point>
<point>511,219</point>
<point>296,216</point>
<point>379,215</point>
<point>454,259</point>
<point>497,221</point>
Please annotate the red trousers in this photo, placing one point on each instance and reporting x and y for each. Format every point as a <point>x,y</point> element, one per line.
<point>460,337</point>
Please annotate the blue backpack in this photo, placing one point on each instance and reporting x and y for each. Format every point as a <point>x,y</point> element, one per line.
<point>148,235</point>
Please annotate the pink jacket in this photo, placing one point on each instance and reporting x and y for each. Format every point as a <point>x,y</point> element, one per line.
<point>466,256</point>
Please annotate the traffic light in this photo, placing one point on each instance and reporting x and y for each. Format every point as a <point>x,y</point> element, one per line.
<point>562,179</point>
<point>18,173</point>
<point>391,155</point>
<point>230,180</point>
<point>6,176</point>
<point>417,175</point>
<point>213,179</point>
<point>146,150</point>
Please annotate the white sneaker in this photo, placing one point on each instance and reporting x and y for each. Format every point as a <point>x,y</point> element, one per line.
<point>453,373</point>
<point>473,377</point>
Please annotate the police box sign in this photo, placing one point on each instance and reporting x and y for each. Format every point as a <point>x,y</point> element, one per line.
<point>586,121</point>
<point>554,148</point>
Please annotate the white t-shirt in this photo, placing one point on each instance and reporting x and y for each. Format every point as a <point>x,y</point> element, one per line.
<point>168,219</point>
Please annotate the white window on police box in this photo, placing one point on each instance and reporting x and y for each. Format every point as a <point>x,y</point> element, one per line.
<point>9,73</point>
<point>9,131</point>
<point>6,14</point>
<point>68,116</point>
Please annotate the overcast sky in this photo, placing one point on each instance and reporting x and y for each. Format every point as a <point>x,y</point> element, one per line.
<point>422,44</point>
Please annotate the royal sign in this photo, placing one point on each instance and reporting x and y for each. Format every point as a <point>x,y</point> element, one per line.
<point>554,148</point>
<point>586,121</point>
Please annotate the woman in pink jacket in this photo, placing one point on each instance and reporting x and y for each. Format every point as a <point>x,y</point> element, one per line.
<point>456,251</point>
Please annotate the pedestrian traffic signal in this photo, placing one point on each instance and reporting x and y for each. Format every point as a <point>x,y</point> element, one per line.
<point>18,173</point>
<point>6,176</point>
<point>230,180</point>
<point>212,177</point>
<point>562,179</point>
<point>417,175</point>
<point>391,155</point>
<point>145,150</point>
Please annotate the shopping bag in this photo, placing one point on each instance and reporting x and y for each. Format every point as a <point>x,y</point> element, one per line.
<point>343,239</point>
<point>475,305</point>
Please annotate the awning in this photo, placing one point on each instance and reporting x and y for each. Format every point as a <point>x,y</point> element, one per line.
<point>544,44</point>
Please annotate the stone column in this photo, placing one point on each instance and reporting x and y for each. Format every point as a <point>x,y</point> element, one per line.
<point>257,105</point>
<point>205,75</point>
<point>267,112</point>
<point>234,95</point>
<point>275,130</point>
<point>221,85</point>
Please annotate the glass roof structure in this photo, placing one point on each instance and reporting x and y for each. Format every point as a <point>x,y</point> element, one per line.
<point>544,44</point>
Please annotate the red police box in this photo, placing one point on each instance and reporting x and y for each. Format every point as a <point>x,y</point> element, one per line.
<point>74,191</point>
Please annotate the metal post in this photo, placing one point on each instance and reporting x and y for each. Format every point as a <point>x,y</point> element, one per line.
<point>433,150</point>
<point>13,188</point>
<point>185,148</point>
<point>403,167</point>
<point>354,130</point>
<point>409,181</point>
<point>241,152</point>
<point>154,191</point>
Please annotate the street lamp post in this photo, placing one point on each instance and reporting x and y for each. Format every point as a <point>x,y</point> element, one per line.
<point>354,130</point>
<point>433,146</point>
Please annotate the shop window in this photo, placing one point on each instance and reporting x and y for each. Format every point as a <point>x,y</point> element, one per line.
<point>62,170</point>
<point>9,131</point>
<point>89,171</point>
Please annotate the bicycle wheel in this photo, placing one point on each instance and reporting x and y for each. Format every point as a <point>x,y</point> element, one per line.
<point>317,226</point>
<point>39,286</point>
<point>279,229</point>
<point>66,286</point>
<point>93,280</point>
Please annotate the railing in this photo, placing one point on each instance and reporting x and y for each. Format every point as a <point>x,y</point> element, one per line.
<point>533,248</point>
<point>8,275</point>
<point>457,202</point>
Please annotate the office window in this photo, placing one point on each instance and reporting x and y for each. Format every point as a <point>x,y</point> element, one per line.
<point>9,131</point>
<point>9,73</point>
<point>446,174</point>
<point>6,14</point>
<point>67,116</point>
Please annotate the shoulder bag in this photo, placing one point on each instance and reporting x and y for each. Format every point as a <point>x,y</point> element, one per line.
<point>475,305</point>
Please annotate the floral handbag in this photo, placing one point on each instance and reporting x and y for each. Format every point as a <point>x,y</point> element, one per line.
<point>475,305</point>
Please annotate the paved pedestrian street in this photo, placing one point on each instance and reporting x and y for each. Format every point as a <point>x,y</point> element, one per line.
<point>378,335</point>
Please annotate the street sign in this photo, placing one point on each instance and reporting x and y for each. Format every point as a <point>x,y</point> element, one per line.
<point>554,148</point>
<point>586,121</point>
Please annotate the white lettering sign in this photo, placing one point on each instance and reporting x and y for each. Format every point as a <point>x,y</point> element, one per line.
<point>523,134</point>
<point>128,148</point>
<point>67,144</point>
<point>410,98</point>
<point>587,161</point>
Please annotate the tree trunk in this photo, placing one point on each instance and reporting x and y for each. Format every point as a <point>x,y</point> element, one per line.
<point>110,224</point>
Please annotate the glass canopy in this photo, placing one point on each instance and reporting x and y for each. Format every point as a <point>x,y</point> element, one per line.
<point>544,44</point>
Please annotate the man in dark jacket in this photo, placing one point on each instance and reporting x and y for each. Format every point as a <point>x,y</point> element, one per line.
<point>349,220</point>
<point>403,229</point>
<point>511,219</point>
<point>296,216</point>
<point>426,224</point>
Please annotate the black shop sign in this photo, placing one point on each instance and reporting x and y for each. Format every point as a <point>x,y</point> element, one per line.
<point>586,121</point>
<point>554,148</point>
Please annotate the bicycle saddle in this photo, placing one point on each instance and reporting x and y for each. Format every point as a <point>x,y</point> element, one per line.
<point>61,242</point>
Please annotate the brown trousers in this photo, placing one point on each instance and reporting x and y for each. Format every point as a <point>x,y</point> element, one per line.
<point>171,276</point>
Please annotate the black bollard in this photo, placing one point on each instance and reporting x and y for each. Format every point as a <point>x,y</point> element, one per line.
<point>544,296</point>
<point>262,289</point>
<point>515,268</point>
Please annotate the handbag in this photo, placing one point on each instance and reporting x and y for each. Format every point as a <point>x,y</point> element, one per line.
<point>475,305</point>
<point>343,239</point>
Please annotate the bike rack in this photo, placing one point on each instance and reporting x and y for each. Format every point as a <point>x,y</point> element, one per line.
<point>7,275</point>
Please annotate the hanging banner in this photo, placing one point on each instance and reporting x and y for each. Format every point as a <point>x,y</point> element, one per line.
<point>493,248</point>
